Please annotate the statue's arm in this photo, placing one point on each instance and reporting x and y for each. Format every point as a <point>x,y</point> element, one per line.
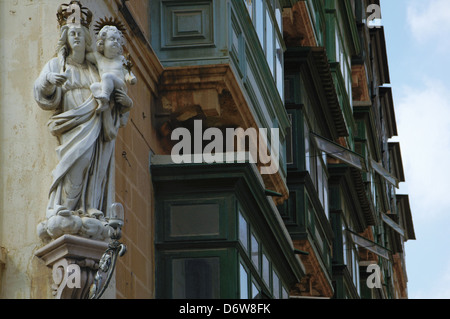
<point>91,57</point>
<point>124,103</point>
<point>130,78</point>
<point>47,88</point>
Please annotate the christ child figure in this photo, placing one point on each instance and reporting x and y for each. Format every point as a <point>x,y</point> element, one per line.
<point>111,64</point>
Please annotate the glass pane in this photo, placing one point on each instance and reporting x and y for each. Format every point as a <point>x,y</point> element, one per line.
<point>243,282</point>
<point>255,252</point>
<point>284,293</point>
<point>289,143</point>
<point>344,245</point>
<point>319,179</point>
<point>196,278</point>
<point>243,232</point>
<point>259,18</point>
<point>270,51</point>
<point>255,292</point>
<point>325,196</point>
<point>194,220</point>
<point>265,269</point>
<point>307,150</point>
<point>279,69</point>
<point>276,285</point>
<point>278,16</point>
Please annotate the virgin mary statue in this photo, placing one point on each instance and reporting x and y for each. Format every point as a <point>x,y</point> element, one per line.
<point>83,181</point>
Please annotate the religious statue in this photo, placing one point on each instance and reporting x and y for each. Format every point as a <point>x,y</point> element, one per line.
<point>110,62</point>
<point>86,124</point>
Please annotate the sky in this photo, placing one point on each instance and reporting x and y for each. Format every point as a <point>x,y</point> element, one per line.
<point>418,47</point>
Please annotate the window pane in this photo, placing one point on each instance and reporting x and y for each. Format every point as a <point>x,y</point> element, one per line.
<point>344,245</point>
<point>255,252</point>
<point>265,269</point>
<point>196,278</point>
<point>278,15</point>
<point>319,179</point>
<point>284,293</point>
<point>194,220</point>
<point>307,147</point>
<point>243,232</point>
<point>243,282</point>
<point>270,51</point>
<point>279,70</point>
<point>276,285</point>
<point>289,143</point>
<point>259,18</point>
<point>255,292</point>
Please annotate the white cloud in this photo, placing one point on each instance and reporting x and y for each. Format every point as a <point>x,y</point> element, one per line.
<point>430,21</point>
<point>423,119</point>
<point>438,288</point>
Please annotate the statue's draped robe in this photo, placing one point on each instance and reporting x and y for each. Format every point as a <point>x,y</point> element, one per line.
<point>83,180</point>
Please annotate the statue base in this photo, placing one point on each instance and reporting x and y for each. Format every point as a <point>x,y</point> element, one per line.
<point>74,261</point>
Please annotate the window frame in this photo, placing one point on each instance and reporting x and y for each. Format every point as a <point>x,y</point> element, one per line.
<point>256,273</point>
<point>269,11</point>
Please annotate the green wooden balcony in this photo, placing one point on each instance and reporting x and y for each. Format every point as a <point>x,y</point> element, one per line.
<point>219,63</point>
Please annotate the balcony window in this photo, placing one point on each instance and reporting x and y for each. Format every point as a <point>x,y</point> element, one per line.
<point>196,278</point>
<point>255,251</point>
<point>318,171</point>
<point>344,61</point>
<point>350,257</point>
<point>243,231</point>
<point>307,147</point>
<point>265,269</point>
<point>257,272</point>
<point>184,220</point>
<point>212,240</point>
<point>243,277</point>
<point>267,19</point>
<point>256,293</point>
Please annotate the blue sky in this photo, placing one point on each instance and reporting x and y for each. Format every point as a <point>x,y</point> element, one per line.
<point>418,44</point>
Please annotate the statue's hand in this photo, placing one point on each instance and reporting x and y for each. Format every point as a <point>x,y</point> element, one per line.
<point>56,79</point>
<point>123,99</point>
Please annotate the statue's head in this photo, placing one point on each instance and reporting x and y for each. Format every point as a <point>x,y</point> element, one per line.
<point>110,40</point>
<point>72,38</point>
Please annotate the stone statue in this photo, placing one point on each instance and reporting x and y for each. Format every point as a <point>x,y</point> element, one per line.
<point>83,181</point>
<point>111,64</point>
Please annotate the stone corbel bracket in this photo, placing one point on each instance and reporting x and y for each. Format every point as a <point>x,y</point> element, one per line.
<point>74,262</point>
<point>210,93</point>
<point>188,91</point>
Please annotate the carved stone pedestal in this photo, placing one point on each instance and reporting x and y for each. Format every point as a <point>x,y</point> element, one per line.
<point>74,262</point>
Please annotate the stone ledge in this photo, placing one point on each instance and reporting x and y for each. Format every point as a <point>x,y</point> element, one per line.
<point>69,246</point>
<point>74,263</point>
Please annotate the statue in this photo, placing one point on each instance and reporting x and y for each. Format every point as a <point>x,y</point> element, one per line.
<point>112,65</point>
<point>86,127</point>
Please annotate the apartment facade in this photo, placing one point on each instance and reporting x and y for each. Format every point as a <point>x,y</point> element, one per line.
<point>306,220</point>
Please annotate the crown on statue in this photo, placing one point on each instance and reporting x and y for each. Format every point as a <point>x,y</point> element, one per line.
<point>74,13</point>
<point>109,22</point>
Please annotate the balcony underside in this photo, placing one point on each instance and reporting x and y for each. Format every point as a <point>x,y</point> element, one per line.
<point>316,283</point>
<point>213,94</point>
